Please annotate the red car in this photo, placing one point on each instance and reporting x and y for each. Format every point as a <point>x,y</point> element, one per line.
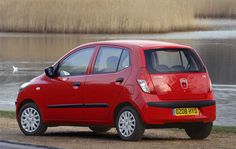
<point>128,84</point>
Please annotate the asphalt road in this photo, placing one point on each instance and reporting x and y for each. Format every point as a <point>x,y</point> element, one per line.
<point>13,145</point>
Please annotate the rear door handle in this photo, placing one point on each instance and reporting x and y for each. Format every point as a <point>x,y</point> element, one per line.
<point>77,84</point>
<point>120,80</point>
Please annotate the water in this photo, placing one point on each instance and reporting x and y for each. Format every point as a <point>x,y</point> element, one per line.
<point>31,53</point>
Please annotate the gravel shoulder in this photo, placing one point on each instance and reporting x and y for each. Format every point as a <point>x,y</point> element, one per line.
<point>82,137</point>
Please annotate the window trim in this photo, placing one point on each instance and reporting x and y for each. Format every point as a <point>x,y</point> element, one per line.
<point>120,59</point>
<point>203,68</point>
<point>71,53</point>
<point>110,46</point>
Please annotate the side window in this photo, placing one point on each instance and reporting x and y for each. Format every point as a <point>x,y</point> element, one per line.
<point>124,60</point>
<point>107,60</point>
<point>76,64</point>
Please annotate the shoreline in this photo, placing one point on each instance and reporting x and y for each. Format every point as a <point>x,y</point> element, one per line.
<point>201,24</point>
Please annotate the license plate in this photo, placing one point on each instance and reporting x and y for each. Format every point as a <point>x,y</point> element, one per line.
<point>185,111</point>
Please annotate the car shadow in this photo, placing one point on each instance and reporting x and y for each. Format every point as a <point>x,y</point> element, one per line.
<point>84,134</point>
<point>111,136</point>
<point>159,138</point>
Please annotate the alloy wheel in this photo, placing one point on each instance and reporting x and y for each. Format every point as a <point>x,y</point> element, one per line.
<point>126,123</point>
<point>30,119</point>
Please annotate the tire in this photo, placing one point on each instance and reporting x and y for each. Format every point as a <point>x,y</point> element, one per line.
<point>199,131</point>
<point>99,129</point>
<point>35,120</point>
<point>133,127</point>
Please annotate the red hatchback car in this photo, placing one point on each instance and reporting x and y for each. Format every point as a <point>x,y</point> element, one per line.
<point>128,84</point>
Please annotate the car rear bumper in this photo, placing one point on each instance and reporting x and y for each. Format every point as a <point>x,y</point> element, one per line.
<point>162,112</point>
<point>182,104</point>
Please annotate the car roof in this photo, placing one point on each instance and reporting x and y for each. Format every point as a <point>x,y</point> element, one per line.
<point>140,44</point>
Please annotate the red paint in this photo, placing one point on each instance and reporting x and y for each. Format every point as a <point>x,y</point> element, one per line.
<point>102,90</point>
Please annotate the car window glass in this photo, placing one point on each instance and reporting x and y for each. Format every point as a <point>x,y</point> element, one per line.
<point>107,60</point>
<point>177,60</point>
<point>124,60</point>
<point>76,64</point>
<point>168,58</point>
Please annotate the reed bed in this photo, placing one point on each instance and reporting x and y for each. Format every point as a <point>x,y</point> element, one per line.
<point>214,8</point>
<point>107,16</point>
<point>95,16</point>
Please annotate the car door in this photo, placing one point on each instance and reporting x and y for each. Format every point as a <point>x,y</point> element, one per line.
<point>64,101</point>
<point>103,86</point>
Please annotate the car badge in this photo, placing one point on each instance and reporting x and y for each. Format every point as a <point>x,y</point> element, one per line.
<point>184,83</point>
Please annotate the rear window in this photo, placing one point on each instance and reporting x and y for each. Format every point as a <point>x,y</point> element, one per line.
<point>172,60</point>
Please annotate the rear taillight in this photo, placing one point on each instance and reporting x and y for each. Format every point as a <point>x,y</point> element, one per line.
<point>210,87</point>
<point>143,85</point>
<point>145,82</point>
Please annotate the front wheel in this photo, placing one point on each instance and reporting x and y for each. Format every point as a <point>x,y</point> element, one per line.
<point>129,125</point>
<point>199,131</point>
<point>30,120</point>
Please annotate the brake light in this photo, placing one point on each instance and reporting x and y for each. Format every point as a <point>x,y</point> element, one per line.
<point>145,82</point>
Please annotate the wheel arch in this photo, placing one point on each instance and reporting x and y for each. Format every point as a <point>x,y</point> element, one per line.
<point>23,102</point>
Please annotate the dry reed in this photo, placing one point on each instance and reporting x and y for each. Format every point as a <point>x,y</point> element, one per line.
<point>94,16</point>
<point>107,16</point>
<point>214,8</point>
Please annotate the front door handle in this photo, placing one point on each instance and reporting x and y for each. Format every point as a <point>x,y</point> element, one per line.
<point>77,84</point>
<point>120,80</point>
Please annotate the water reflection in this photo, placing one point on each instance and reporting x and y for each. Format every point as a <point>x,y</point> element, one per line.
<point>31,53</point>
<point>218,54</point>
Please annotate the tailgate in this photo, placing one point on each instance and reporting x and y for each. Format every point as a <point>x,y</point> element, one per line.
<point>182,86</point>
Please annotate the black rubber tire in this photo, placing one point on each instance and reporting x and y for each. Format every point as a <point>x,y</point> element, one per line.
<point>199,131</point>
<point>99,129</point>
<point>41,128</point>
<point>139,126</point>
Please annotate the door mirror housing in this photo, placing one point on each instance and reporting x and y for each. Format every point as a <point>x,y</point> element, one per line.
<point>50,72</point>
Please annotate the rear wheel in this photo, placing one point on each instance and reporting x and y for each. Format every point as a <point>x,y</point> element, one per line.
<point>129,125</point>
<point>99,129</point>
<point>199,131</point>
<point>30,120</point>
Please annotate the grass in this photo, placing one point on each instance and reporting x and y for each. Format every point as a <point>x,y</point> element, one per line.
<point>224,129</point>
<point>8,114</point>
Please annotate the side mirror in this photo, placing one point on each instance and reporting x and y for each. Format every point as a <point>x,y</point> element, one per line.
<point>50,72</point>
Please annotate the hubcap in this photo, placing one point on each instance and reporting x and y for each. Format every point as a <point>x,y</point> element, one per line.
<point>30,119</point>
<point>126,123</point>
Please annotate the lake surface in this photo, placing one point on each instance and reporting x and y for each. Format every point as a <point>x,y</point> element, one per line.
<point>31,53</point>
